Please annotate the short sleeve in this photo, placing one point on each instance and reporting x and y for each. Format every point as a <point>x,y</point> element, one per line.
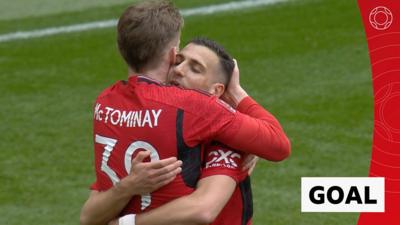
<point>94,187</point>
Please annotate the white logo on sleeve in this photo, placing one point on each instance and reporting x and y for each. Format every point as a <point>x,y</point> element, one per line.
<point>221,158</point>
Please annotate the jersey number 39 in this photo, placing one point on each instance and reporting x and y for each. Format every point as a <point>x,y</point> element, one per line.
<point>109,144</point>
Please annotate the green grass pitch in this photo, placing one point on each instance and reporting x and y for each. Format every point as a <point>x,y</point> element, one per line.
<point>304,60</point>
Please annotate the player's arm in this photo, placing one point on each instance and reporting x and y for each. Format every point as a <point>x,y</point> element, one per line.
<point>200,207</point>
<point>219,178</point>
<point>254,130</point>
<point>144,177</point>
<point>258,133</point>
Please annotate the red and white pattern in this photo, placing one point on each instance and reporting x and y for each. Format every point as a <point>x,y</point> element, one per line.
<point>383,35</point>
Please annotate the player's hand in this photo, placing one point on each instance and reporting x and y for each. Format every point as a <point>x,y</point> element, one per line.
<point>234,92</point>
<point>249,163</point>
<point>146,177</point>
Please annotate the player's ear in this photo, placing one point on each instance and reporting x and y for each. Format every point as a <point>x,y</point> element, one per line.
<point>172,55</point>
<point>217,89</point>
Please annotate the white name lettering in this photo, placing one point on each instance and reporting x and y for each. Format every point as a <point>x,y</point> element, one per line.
<point>127,118</point>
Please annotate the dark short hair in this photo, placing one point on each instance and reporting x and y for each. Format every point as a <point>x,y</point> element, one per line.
<point>145,30</point>
<point>225,60</point>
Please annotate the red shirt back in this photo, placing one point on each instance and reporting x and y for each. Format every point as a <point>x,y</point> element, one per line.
<point>143,115</point>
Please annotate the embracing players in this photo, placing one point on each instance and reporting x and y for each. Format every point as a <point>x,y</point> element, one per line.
<point>167,121</point>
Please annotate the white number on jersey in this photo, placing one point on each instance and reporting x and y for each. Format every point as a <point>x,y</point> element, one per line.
<point>109,144</point>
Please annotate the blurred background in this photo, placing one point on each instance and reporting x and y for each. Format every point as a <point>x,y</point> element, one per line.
<point>306,61</point>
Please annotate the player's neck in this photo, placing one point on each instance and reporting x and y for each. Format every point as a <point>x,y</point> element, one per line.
<point>159,73</point>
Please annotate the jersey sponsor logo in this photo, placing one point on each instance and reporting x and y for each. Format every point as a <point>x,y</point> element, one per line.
<point>223,158</point>
<point>124,118</point>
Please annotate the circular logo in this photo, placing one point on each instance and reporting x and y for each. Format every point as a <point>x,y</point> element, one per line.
<point>381,18</point>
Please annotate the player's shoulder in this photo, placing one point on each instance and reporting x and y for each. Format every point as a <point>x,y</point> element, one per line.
<point>152,87</point>
<point>223,160</point>
<point>111,89</point>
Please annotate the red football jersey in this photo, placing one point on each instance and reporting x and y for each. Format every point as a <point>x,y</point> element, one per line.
<point>222,160</point>
<point>142,114</point>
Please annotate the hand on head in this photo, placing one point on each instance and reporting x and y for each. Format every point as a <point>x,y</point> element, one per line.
<point>234,92</point>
